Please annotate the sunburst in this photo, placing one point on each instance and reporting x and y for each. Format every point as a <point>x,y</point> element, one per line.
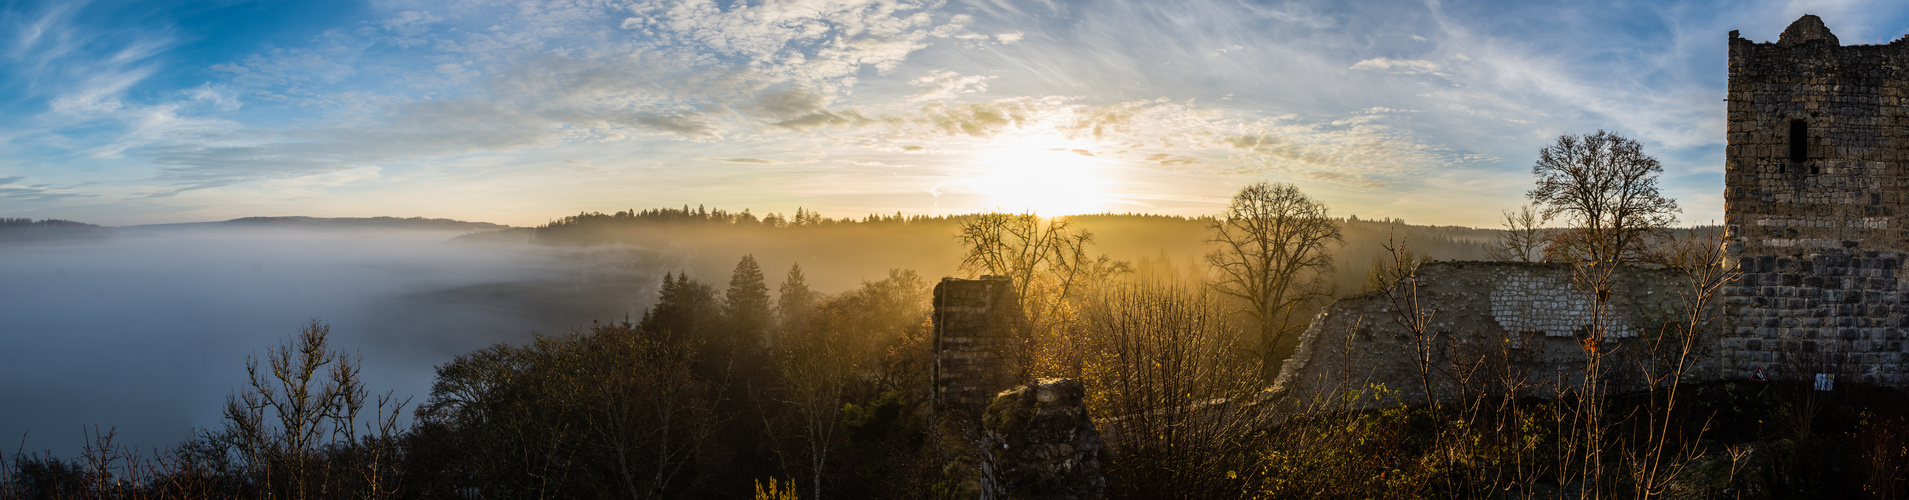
<point>1047,175</point>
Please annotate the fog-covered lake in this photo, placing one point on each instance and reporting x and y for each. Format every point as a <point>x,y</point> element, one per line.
<point>149,333</point>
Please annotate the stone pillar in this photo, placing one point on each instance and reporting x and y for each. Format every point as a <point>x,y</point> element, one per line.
<point>975,323</point>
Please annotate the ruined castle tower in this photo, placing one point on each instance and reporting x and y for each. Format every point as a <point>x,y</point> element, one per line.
<point>975,323</point>
<point>1816,171</point>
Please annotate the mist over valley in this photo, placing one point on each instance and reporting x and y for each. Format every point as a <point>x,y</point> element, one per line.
<point>147,329</point>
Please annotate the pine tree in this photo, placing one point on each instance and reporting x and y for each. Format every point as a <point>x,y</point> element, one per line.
<point>796,297</point>
<point>747,301</point>
<point>684,308</point>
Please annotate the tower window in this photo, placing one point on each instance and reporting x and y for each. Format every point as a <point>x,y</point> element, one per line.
<point>1799,141</point>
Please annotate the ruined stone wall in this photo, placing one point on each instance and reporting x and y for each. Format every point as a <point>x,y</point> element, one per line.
<point>1523,319</point>
<point>974,336</point>
<point>1814,177</point>
<point>1039,443</point>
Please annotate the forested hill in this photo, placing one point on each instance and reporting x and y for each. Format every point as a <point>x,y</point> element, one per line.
<point>51,230</point>
<point>838,252</point>
<point>325,223</point>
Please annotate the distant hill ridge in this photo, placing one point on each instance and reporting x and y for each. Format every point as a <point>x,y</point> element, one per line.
<point>51,230</point>
<point>302,222</point>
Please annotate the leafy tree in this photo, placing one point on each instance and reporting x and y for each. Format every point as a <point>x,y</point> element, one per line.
<point>1606,189</point>
<point>1272,252</point>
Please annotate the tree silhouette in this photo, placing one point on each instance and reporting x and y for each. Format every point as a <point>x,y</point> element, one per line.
<point>1272,253</point>
<point>746,304</point>
<point>1606,188</point>
<point>685,308</point>
<point>313,395</point>
<point>796,298</point>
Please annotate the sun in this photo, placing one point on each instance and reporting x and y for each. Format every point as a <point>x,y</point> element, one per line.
<point>1048,176</point>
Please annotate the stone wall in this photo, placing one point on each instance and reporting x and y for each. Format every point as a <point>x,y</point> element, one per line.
<point>1503,317</point>
<point>974,336</point>
<point>1814,176</point>
<point>1039,443</point>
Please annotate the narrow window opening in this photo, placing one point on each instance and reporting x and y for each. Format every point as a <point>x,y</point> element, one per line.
<point>1799,141</point>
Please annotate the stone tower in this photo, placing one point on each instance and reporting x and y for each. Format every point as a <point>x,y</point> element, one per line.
<point>1816,167</point>
<point>975,325</point>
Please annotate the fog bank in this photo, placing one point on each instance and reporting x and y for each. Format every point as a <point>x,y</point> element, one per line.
<point>149,334</point>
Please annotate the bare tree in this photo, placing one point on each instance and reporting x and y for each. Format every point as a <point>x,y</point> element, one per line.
<point>312,391</point>
<point>1272,253</point>
<point>1049,263</point>
<point>646,410</point>
<point>1606,188</point>
<point>1525,237</point>
<point>1670,356</point>
<point>1167,368</point>
<point>1047,258</point>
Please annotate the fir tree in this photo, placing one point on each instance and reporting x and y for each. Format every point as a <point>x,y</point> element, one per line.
<point>747,301</point>
<point>796,297</point>
<point>683,308</point>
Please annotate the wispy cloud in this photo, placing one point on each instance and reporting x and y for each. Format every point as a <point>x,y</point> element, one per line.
<point>941,85</point>
<point>751,161</point>
<point>1406,66</point>
<point>1365,101</point>
<point>15,188</point>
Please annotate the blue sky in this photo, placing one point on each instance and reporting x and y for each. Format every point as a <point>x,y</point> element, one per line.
<point>517,112</point>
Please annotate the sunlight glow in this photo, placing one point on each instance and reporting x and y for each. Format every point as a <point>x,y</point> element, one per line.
<point>1048,175</point>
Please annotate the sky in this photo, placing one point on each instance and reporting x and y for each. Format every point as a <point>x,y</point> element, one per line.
<point>136,112</point>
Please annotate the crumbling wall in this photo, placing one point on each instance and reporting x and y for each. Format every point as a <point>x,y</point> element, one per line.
<point>1038,442</point>
<point>1814,175</point>
<point>1523,319</point>
<point>975,323</point>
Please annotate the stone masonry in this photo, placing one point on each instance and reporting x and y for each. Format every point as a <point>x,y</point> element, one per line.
<point>1039,443</point>
<point>1815,173</point>
<point>1530,318</point>
<point>974,335</point>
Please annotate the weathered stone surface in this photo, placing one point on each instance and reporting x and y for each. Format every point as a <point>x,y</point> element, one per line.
<point>1808,28</point>
<point>1038,442</point>
<point>1816,167</point>
<point>1531,318</point>
<point>974,331</point>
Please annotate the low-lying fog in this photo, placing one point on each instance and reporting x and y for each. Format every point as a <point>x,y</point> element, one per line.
<point>149,333</point>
